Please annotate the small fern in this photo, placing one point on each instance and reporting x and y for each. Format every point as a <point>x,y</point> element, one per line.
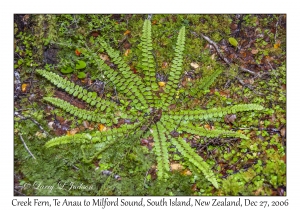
<point>149,111</point>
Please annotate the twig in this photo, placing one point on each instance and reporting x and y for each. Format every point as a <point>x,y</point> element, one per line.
<point>26,146</point>
<point>247,70</point>
<point>215,46</point>
<point>19,193</point>
<point>275,36</point>
<point>71,164</point>
<point>229,63</point>
<point>33,120</point>
<point>225,59</point>
<point>146,177</point>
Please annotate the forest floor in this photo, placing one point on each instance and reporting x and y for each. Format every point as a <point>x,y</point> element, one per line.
<point>249,49</point>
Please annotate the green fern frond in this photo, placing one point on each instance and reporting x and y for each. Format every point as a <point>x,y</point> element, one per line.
<point>80,113</point>
<point>76,90</point>
<point>131,80</point>
<point>186,150</point>
<point>176,69</point>
<point>210,133</point>
<point>212,114</point>
<point>161,151</point>
<point>74,139</point>
<point>205,82</point>
<point>124,84</point>
<point>109,136</point>
<point>148,65</point>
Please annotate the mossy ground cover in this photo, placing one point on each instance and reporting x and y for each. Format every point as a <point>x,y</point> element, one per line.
<point>243,167</point>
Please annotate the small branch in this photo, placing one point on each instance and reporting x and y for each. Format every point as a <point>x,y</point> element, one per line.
<point>146,177</point>
<point>275,36</point>
<point>33,120</point>
<point>247,70</point>
<point>215,46</point>
<point>229,63</point>
<point>73,166</point>
<point>26,146</point>
<point>225,59</point>
<point>19,193</point>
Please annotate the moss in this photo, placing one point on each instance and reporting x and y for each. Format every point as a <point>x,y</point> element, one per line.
<point>244,167</point>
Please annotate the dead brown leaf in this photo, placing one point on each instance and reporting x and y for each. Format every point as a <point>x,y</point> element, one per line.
<point>74,131</point>
<point>230,118</point>
<point>254,51</point>
<point>164,65</point>
<point>127,52</point>
<point>175,166</point>
<point>104,57</point>
<point>282,132</point>
<point>127,32</point>
<point>194,65</point>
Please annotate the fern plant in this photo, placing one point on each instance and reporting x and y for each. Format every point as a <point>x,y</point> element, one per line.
<point>148,112</point>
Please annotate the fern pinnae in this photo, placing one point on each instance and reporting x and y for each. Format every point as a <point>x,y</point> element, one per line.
<point>207,81</point>
<point>131,80</point>
<point>148,66</point>
<point>68,139</point>
<point>98,137</point>
<point>161,151</point>
<point>210,133</point>
<point>176,68</point>
<point>186,150</point>
<point>212,114</point>
<point>77,91</point>
<point>80,113</point>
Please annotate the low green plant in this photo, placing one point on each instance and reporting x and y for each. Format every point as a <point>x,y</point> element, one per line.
<point>145,106</point>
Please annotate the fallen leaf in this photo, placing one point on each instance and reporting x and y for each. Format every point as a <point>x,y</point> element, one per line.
<point>249,81</point>
<point>126,32</point>
<point>127,45</point>
<point>284,158</point>
<point>233,26</point>
<point>277,44</point>
<point>282,132</point>
<point>194,65</point>
<point>161,84</point>
<point>50,125</point>
<point>207,127</point>
<point>104,57</point>
<point>186,172</point>
<point>194,187</point>
<point>102,127</point>
<point>258,191</point>
<point>24,87</point>
<point>164,65</point>
<point>77,52</point>
<point>144,142</point>
<point>225,93</point>
<point>95,33</point>
<point>133,69</point>
<point>230,118</point>
<point>40,135</point>
<point>213,56</point>
<point>233,41</point>
<point>175,166</point>
<point>254,51</point>
<point>127,52</point>
<point>73,131</point>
